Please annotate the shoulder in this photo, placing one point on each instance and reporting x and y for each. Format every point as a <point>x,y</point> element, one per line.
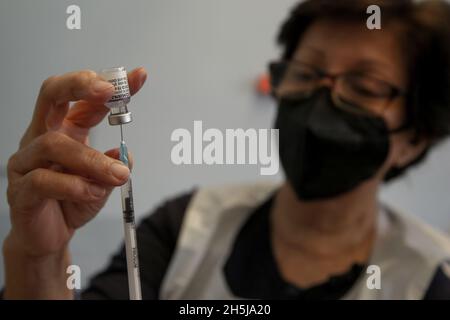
<point>430,249</point>
<point>213,217</point>
<point>166,219</point>
<point>428,242</point>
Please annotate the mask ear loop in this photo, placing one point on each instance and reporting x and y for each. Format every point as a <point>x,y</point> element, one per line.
<point>400,129</point>
<point>404,127</point>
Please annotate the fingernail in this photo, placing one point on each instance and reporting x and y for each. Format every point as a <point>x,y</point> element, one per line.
<point>96,190</point>
<point>99,86</point>
<point>142,77</point>
<point>120,171</point>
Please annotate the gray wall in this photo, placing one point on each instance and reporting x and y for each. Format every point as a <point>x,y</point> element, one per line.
<point>202,57</point>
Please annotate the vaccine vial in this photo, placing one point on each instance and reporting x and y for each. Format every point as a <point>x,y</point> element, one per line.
<point>119,113</point>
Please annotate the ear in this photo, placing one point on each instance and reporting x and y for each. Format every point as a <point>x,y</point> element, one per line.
<point>410,149</point>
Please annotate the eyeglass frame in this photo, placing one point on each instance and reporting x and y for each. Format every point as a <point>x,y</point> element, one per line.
<point>276,80</point>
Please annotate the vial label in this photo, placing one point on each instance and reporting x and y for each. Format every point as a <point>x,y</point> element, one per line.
<point>118,78</point>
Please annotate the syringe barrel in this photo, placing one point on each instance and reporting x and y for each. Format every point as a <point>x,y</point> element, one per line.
<point>127,201</point>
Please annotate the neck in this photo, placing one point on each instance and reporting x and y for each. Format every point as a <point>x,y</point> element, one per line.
<point>342,226</point>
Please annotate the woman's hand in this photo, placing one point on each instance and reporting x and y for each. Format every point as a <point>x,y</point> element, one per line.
<point>56,182</point>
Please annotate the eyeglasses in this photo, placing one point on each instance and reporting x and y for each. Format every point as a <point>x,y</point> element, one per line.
<point>352,91</point>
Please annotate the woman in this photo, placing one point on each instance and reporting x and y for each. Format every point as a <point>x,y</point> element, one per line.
<point>357,107</point>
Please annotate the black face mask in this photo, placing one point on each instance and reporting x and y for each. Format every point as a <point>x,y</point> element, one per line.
<point>326,151</point>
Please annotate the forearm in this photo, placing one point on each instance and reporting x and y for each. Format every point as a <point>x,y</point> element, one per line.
<point>35,277</point>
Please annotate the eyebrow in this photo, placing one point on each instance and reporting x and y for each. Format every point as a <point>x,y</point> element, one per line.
<point>315,51</point>
<point>364,65</point>
<point>371,65</point>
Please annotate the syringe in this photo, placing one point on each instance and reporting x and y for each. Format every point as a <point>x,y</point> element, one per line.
<point>120,115</point>
<point>134,281</point>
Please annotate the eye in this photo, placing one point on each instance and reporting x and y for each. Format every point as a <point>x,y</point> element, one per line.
<point>304,76</point>
<point>362,90</point>
<point>368,86</point>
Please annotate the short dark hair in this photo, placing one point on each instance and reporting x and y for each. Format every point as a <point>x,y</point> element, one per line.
<point>425,40</point>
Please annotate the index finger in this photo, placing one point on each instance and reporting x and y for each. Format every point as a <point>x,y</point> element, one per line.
<point>58,91</point>
<point>86,114</point>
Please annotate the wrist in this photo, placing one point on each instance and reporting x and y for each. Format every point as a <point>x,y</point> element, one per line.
<point>34,277</point>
